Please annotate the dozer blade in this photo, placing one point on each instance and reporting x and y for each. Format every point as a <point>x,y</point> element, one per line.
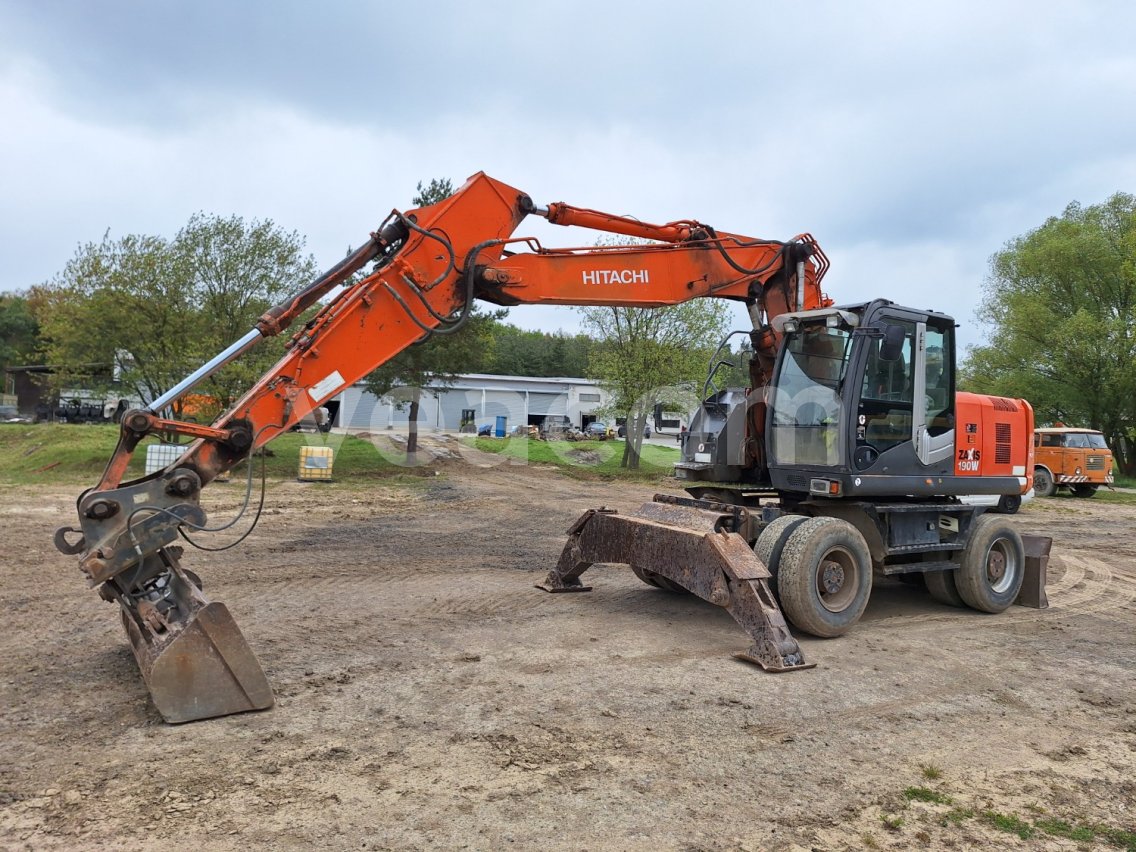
<point>192,655</point>
<point>692,549</point>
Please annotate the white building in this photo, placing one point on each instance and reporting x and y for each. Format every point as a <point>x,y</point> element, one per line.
<point>521,400</point>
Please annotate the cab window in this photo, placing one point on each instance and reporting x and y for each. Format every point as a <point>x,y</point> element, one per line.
<point>886,397</point>
<point>939,381</point>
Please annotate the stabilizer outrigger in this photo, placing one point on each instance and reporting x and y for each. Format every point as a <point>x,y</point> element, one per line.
<point>693,545</point>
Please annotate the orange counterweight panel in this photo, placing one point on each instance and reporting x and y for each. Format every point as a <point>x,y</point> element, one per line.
<point>993,437</point>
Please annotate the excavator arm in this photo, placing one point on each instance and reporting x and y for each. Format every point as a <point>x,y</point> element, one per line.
<point>430,264</point>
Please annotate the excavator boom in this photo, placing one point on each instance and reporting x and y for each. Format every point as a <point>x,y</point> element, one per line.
<point>430,265</point>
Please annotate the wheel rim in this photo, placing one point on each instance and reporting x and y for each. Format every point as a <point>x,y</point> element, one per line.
<point>1001,566</point>
<point>837,578</point>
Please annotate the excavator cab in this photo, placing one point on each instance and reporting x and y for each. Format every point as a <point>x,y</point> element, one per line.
<point>863,401</point>
<point>860,395</point>
<point>864,405</point>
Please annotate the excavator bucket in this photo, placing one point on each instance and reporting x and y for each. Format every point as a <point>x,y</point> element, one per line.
<point>192,655</point>
<point>690,545</point>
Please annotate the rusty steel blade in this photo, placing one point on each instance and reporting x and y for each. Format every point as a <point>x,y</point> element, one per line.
<point>690,548</point>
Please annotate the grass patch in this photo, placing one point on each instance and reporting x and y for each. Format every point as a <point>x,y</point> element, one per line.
<point>925,794</point>
<point>891,823</point>
<point>1025,830</point>
<point>58,452</point>
<point>1008,823</point>
<point>67,453</point>
<point>1118,836</point>
<point>1106,496</point>
<point>957,816</point>
<point>1060,828</point>
<point>931,772</point>
<point>74,453</point>
<point>582,458</point>
<point>1065,499</point>
<point>355,458</point>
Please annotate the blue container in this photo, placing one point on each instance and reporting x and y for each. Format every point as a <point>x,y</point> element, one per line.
<point>502,425</point>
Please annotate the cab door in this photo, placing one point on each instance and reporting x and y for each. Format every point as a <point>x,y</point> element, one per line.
<point>933,417</point>
<point>906,402</point>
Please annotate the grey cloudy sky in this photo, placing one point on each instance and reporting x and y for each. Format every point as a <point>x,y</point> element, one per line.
<point>912,139</point>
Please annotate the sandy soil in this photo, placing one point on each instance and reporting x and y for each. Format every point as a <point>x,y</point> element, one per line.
<point>429,696</point>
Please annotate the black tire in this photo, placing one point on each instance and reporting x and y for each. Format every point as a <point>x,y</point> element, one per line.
<point>941,585</point>
<point>1009,504</point>
<point>658,581</point>
<point>1084,490</point>
<point>771,543</point>
<point>824,577</point>
<point>993,565</point>
<point>1043,484</point>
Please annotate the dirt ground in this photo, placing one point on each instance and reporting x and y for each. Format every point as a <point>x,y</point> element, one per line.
<point>429,696</point>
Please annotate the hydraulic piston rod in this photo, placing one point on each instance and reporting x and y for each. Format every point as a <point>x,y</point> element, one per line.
<point>206,370</point>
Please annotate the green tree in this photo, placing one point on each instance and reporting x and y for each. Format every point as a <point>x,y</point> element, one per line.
<point>519,352</point>
<point>1061,304</point>
<point>140,312</point>
<point>19,331</point>
<point>236,270</point>
<point>734,370</point>
<point>438,359</point>
<point>646,354</point>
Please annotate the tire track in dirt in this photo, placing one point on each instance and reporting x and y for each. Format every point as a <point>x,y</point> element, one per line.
<point>1087,581</point>
<point>1088,585</point>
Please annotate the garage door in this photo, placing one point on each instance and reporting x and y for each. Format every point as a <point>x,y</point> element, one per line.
<point>453,402</point>
<point>360,411</point>
<point>503,403</point>
<point>548,403</point>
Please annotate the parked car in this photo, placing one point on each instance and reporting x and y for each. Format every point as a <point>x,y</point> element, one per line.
<point>597,431</point>
<point>622,430</point>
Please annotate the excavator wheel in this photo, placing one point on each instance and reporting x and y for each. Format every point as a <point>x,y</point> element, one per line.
<point>993,565</point>
<point>772,541</point>
<point>825,576</point>
<point>658,581</point>
<point>941,585</point>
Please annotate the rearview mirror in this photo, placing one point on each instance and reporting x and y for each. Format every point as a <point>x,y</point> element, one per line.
<point>892,347</point>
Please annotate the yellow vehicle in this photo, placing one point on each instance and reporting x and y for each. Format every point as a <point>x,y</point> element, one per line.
<point>1077,459</point>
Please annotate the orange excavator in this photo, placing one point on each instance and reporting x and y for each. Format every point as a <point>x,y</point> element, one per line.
<point>843,460</point>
